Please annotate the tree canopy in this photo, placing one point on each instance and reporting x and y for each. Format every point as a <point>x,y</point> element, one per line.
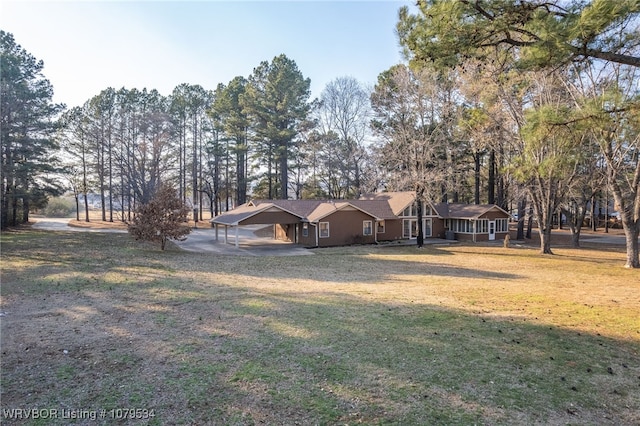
<point>545,32</point>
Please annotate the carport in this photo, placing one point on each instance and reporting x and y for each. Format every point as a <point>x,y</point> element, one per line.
<point>249,214</point>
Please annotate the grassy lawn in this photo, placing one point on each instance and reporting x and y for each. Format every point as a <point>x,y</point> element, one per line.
<point>452,334</point>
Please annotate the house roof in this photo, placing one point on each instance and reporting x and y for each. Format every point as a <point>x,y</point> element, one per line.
<point>464,211</point>
<point>306,210</point>
<point>240,213</point>
<point>396,201</point>
<point>300,208</point>
<point>380,206</point>
<point>379,209</point>
<point>329,207</point>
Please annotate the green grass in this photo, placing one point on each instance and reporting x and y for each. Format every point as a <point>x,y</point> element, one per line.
<point>459,334</point>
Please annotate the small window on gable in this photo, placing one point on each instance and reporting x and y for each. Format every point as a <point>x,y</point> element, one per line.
<point>367,227</point>
<point>305,229</point>
<point>324,229</point>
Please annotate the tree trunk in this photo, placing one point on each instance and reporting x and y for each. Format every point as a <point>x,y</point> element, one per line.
<point>575,238</point>
<point>491,184</point>
<point>522,204</point>
<point>284,172</point>
<point>545,240</point>
<point>476,177</point>
<point>25,208</point>
<point>86,207</point>
<point>631,236</point>
<point>594,222</point>
<point>420,236</point>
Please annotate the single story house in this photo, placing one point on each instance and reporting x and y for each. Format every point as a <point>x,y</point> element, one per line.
<point>373,218</point>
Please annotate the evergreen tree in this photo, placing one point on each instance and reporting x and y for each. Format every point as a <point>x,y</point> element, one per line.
<point>276,101</point>
<point>546,33</point>
<point>27,132</point>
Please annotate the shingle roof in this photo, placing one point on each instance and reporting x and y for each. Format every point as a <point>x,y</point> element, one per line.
<point>397,201</point>
<point>240,213</point>
<point>300,208</point>
<point>377,208</point>
<point>463,211</point>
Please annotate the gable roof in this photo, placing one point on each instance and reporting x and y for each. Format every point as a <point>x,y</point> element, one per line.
<point>329,207</point>
<point>464,211</point>
<point>396,201</point>
<point>248,210</point>
<point>300,208</point>
<point>380,209</point>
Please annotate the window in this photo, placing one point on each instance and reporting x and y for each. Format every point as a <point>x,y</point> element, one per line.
<point>427,228</point>
<point>367,227</point>
<point>305,229</point>
<point>380,229</point>
<point>462,226</point>
<point>502,225</point>
<point>482,226</point>
<point>324,229</point>
<point>410,211</point>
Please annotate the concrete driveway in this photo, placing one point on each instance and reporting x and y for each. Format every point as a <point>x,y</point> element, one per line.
<point>202,240</point>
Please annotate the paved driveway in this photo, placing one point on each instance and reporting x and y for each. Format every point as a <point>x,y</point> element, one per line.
<point>203,240</point>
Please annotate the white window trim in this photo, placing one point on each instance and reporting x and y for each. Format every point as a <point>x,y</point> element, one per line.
<point>364,228</point>
<point>320,230</point>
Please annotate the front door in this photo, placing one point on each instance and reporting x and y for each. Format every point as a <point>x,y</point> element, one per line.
<point>492,230</point>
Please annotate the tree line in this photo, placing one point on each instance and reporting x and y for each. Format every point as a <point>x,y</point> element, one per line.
<point>488,108</point>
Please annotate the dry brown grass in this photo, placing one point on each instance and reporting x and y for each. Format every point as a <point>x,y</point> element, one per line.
<point>450,334</point>
<point>96,222</point>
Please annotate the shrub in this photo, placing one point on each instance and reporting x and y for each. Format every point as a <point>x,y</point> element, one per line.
<point>162,218</point>
<point>60,207</point>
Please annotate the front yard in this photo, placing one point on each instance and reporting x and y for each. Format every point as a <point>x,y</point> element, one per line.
<point>449,334</point>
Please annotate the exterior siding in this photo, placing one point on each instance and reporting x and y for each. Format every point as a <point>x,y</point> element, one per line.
<point>437,228</point>
<point>310,240</point>
<point>345,228</point>
<point>271,217</point>
<point>392,230</point>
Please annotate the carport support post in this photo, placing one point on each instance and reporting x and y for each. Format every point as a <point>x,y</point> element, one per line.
<point>237,244</point>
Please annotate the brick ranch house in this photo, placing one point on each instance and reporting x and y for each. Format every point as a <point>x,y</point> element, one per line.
<point>371,219</point>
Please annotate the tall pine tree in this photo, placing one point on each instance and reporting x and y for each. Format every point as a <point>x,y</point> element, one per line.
<point>27,123</point>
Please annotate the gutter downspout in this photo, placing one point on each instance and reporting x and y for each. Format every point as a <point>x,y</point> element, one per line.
<point>375,231</point>
<point>475,228</point>
<point>316,233</point>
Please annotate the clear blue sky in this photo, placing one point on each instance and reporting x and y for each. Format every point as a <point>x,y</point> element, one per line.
<point>88,46</point>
